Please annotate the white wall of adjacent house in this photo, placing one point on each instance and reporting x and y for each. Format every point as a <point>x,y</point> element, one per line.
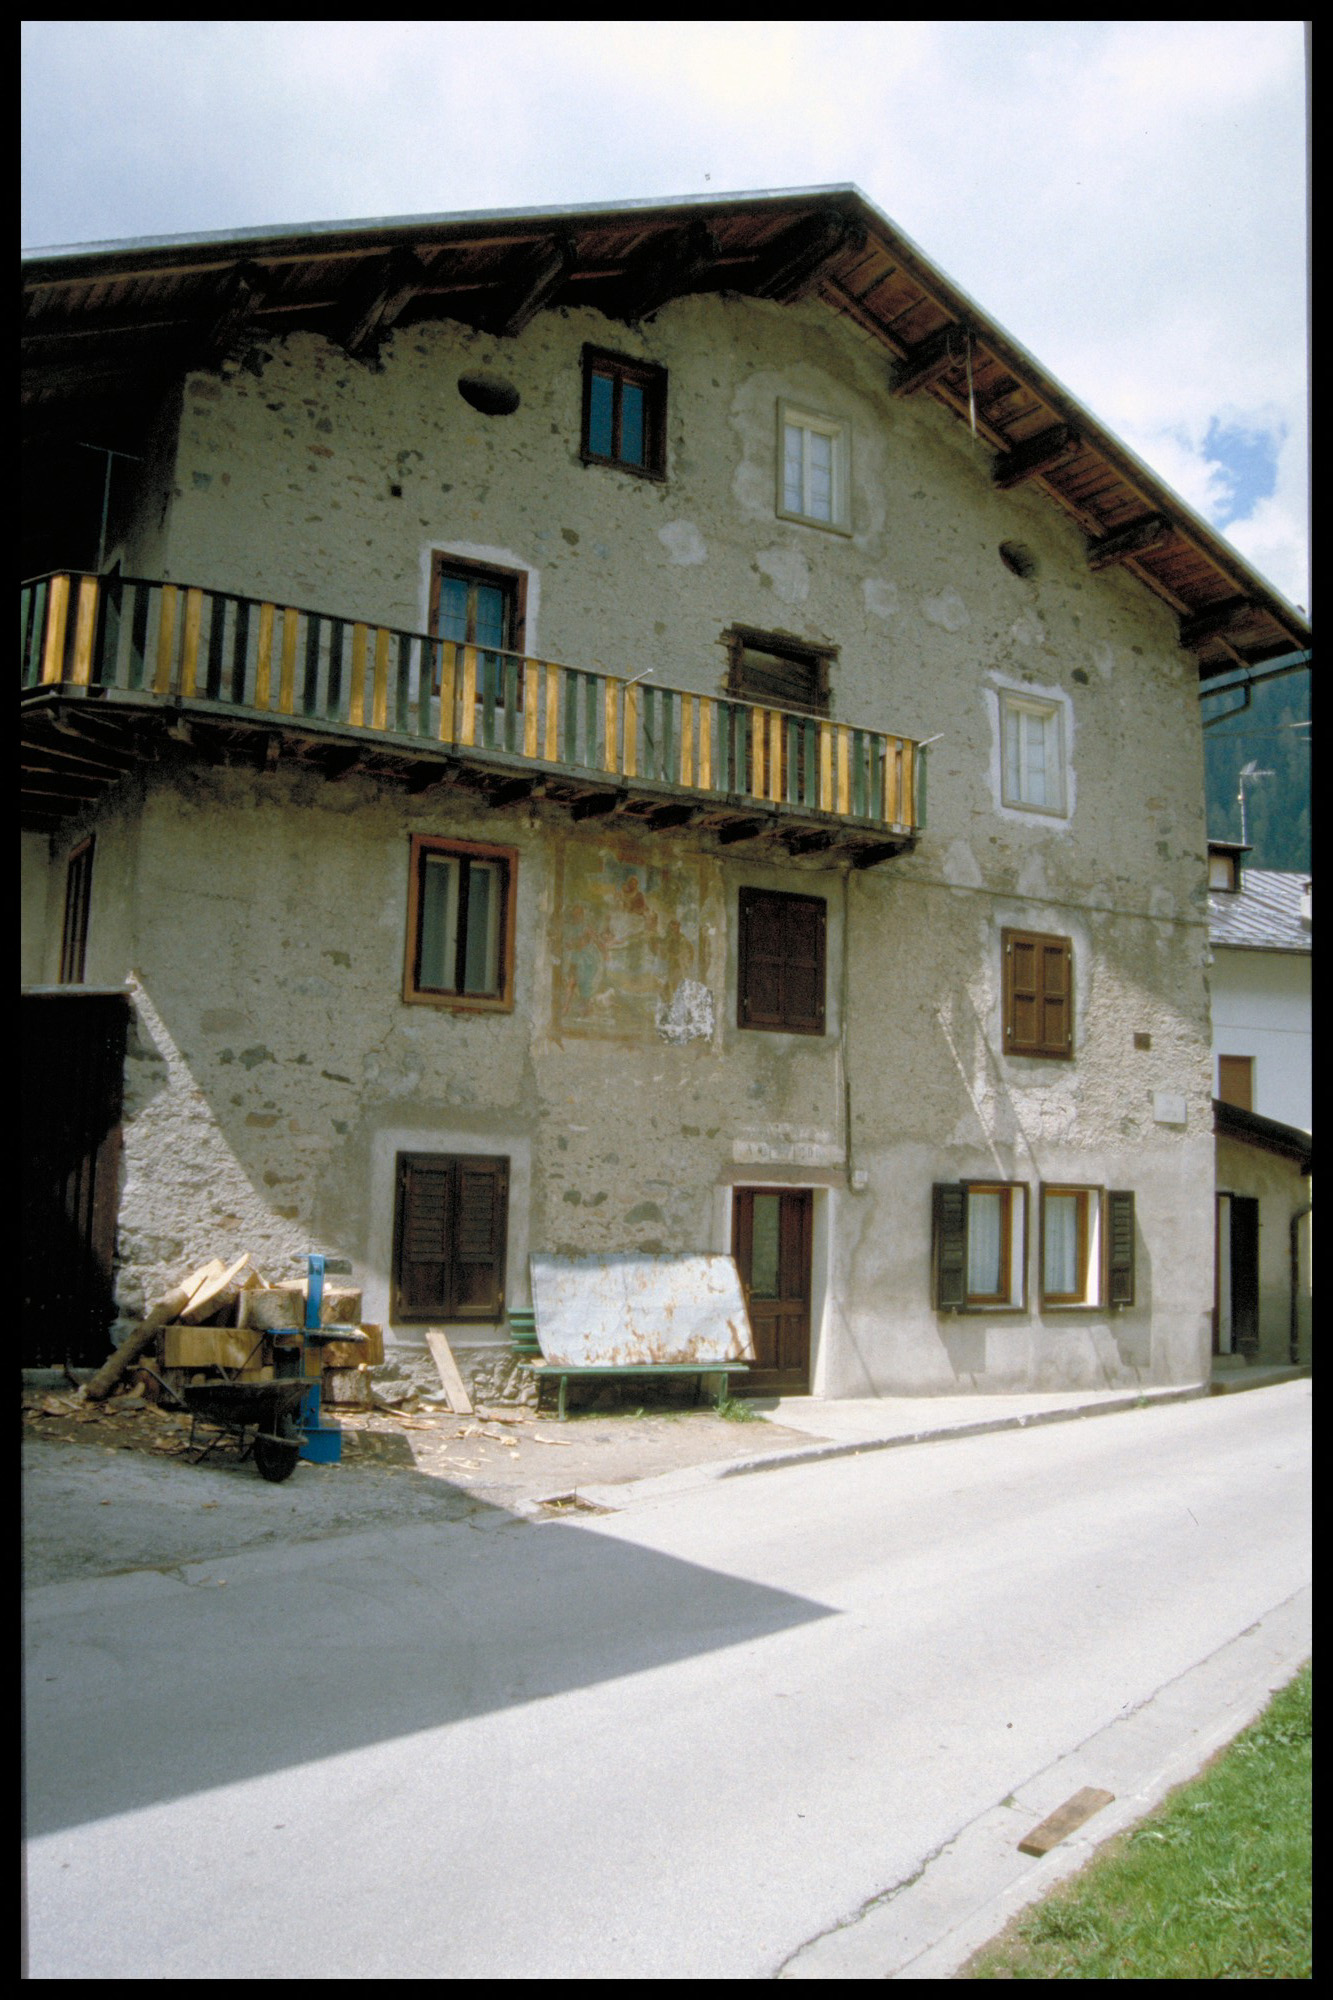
<point>1262,1009</point>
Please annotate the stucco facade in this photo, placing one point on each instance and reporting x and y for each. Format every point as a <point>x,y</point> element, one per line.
<point>276,1073</point>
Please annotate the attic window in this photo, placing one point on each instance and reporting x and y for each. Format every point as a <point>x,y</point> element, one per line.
<point>488,394</point>
<point>1222,871</point>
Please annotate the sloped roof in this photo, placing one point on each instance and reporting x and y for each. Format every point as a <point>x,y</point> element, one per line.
<point>106,325</point>
<point>1270,1134</point>
<point>1264,914</point>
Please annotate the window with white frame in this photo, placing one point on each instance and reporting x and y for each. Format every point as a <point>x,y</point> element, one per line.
<point>814,469</point>
<point>1033,752</point>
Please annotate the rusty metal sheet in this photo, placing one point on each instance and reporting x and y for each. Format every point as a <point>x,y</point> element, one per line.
<point>625,1308</point>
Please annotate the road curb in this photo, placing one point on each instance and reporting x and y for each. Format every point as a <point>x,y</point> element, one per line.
<point>665,1485</point>
<point>967,1891</point>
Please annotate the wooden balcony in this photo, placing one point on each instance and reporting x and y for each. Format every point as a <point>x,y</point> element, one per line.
<point>119,670</point>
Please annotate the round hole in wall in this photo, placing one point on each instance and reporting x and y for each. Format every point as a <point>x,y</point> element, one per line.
<point>1018,557</point>
<point>490,394</point>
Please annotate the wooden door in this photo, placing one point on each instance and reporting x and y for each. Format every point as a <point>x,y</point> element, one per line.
<point>73,1067</point>
<point>771,1237</point>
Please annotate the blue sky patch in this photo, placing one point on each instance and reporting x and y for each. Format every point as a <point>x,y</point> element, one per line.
<point>1248,458</point>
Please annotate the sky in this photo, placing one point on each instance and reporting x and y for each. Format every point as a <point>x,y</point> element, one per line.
<point>1127,198</point>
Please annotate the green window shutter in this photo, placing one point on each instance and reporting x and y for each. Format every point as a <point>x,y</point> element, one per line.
<point>1119,1248</point>
<point>950,1234</point>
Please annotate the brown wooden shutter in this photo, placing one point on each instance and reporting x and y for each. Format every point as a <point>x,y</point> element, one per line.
<point>425,1186</point>
<point>1038,994</point>
<point>782,961</point>
<point>950,1245</point>
<point>1119,1247</point>
<point>452,1236</point>
<point>479,1242</point>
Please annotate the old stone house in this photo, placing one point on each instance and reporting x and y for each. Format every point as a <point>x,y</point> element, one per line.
<point>658,728</point>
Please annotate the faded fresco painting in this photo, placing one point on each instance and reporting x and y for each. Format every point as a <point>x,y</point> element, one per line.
<point>629,935</point>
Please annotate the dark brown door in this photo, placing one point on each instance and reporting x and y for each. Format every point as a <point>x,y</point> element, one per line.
<point>771,1229</point>
<point>72,1061</point>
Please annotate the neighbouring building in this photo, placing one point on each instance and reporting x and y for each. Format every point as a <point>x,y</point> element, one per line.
<point>652,729</point>
<point>1260,933</point>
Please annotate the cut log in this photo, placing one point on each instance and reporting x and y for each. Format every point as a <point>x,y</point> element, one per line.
<point>211,1296</point>
<point>454,1387</point>
<point>159,1314</point>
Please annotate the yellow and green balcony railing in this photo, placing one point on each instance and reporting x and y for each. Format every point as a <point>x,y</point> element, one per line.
<point>259,659</point>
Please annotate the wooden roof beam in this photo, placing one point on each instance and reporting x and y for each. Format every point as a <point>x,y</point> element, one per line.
<point>1036,455</point>
<point>1148,532</point>
<point>538,276</point>
<point>378,298</point>
<point>243,293</point>
<point>803,255</point>
<point>930,359</point>
<point>1216,622</point>
<point>674,265</point>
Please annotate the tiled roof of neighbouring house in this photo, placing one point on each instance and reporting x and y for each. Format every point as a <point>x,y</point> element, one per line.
<point>1265,914</point>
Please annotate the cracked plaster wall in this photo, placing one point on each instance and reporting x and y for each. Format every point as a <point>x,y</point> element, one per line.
<point>265,918</point>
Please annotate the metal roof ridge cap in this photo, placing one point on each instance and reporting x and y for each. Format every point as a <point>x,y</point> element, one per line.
<point>279,232</point>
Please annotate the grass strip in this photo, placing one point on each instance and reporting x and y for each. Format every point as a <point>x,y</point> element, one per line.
<point>1213,1885</point>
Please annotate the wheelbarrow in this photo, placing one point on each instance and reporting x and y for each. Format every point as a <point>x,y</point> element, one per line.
<point>262,1416</point>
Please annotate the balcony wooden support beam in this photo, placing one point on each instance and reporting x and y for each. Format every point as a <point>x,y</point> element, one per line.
<point>538,277</point>
<point>670,269</point>
<point>1216,622</point>
<point>595,804</point>
<point>932,358</point>
<point>382,295</point>
<point>511,791</point>
<point>244,292</point>
<point>813,841</point>
<point>803,256</point>
<point>1149,532</point>
<point>880,850</point>
<point>1036,455</point>
<point>745,829</point>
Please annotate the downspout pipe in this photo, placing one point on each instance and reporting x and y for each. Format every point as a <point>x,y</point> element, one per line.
<point>1294,1341</point>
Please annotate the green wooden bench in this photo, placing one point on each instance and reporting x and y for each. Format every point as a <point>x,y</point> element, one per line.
<point>564,1373</point>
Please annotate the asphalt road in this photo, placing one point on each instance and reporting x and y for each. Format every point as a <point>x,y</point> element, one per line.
<point>688,1740</point>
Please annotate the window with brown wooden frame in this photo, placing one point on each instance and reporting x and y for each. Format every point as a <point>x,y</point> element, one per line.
<point>979,1250</point>
<point>624,413</point>
<point>481,605</point>
<point>781,962</point>
<point>1038,994</point>
<point>460,924</point>
<point>450,1237</point>
<point>1086,1254</point>
<point>74,931</point>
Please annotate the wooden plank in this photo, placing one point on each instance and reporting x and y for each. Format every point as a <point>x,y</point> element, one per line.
<point>1066,1819</point>
<point>844,804</point>
<point>705,744</point>
<point>825,767</point>
<point>552,713</point>
<point>467,724</point>
<point>186,1346</point>
<point>53,654</point>
<point>448,688</point>
<point>454,1387</point>
<point>610,706</point>
<point>206,1299</point>
<point>775,757</point>
<point>380,704</point>
<point>688,707</point>
<point>159,1315</point>
<point>194,612</point>
<point>85,626</point>
<point>356,700</point>
<point>264,657</point>
<point>291,620</point>
<point>531,670</point>
<point>630,762</point>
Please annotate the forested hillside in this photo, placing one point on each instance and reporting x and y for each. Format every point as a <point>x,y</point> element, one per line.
<point>1273,733</point>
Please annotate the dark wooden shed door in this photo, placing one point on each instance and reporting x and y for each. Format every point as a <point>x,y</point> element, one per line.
<point>73,1063</point>
<point>1245,1273</point>
<point>771,1238</point>
<point>451,1237</point>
